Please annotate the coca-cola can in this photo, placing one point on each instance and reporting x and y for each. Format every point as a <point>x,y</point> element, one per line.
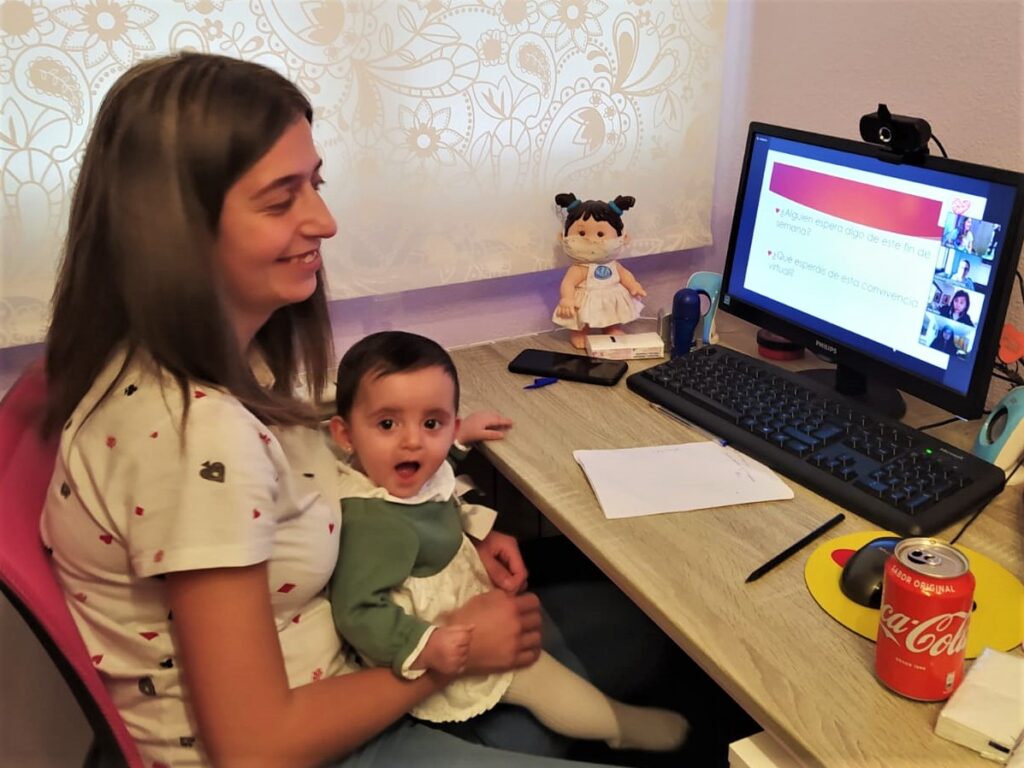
<point>927,595</point>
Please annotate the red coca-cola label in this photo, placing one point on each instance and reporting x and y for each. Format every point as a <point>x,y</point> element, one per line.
<point>945,633</point>
<point>922,631</point>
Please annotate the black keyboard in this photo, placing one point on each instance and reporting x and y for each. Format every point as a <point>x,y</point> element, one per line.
<point>888,473</point>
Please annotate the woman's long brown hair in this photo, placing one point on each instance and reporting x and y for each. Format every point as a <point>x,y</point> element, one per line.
<point>171,137</point>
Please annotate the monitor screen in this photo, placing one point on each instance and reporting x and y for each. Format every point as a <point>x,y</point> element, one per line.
<point>900,272</point>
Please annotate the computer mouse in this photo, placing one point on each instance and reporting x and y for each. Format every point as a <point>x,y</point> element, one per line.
<point>862,576</point>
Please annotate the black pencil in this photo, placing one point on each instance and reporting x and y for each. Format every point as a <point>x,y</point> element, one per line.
<point>795,547</point>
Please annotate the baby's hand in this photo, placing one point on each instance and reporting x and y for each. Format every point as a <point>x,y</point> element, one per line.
<point>447,650</point>
<point>565,309</point>
<point>483,425</point>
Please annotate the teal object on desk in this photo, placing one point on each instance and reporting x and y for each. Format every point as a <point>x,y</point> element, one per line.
<point>1000,440</point>
<point>709,283</point>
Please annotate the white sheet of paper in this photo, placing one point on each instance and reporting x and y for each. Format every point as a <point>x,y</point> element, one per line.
<point>632,482</point>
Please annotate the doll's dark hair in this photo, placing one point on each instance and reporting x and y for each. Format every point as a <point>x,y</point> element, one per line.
<point>598,210</point>
<point>384,353</point>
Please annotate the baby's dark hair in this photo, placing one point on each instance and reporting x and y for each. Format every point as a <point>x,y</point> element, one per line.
<point>384,353</point>
<point>598,210</point>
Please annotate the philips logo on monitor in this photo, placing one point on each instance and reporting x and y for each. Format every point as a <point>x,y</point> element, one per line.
<point>831,349</point>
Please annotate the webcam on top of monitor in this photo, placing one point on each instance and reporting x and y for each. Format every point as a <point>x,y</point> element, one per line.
<point>906,136</point>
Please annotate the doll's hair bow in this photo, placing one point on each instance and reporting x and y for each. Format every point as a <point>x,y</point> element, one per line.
<point>615,209</point>
<point>575,203</point>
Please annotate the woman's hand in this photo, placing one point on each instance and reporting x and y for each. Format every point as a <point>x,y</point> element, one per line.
<point>483,425</point>
<point>503,561</point>
<point>447,650</point>
<point>506,632</point>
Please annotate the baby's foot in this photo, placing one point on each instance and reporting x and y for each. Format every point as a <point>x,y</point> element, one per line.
<point>648,728</point>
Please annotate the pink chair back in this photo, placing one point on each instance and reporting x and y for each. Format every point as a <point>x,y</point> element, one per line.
<point>26,577</point>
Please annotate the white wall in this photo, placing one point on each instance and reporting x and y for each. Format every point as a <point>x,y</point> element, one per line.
<point>821,64</point>
<point>815,65</point>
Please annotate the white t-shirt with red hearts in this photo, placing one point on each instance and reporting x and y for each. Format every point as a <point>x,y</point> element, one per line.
<point>132,498</point>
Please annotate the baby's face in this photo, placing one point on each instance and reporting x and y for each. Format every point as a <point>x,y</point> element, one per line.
<point>401,427</point>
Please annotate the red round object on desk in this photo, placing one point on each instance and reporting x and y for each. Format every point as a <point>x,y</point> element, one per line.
<point>774,347</point>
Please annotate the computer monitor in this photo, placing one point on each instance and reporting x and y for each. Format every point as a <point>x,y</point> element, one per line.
<point>899,272</point>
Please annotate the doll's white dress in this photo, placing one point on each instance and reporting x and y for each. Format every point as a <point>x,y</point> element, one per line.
<point>602,300</point>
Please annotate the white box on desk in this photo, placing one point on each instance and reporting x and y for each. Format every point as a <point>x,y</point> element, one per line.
<point>986,713</point>
<point>626,346</point>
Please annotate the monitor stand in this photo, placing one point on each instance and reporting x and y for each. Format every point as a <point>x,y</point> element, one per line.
<point>881,398</point>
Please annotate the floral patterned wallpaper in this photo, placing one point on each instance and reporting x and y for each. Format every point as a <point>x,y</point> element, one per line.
<point>446,126</point>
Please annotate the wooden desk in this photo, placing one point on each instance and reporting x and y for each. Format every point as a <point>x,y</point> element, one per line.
<point>804,677</point>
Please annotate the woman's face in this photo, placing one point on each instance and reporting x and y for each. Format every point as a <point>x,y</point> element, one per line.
<point>273,220</point>
<point>959,304</point>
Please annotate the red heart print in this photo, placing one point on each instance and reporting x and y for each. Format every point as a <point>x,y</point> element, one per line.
<point>148,635</point>
<point>286,588</point>
<point>97,658</point>
<point>139,511</point>
<point>265,438</point>
<point>330,527</point>
<point>106,538</point>
<point>318,674</point>
<point>256,513</point>
<point>159,556</point>
<point>111,441</point>
<point>81,597</point>
<point>296,617</point>
<point>153,434</point>
<point>199,394</point>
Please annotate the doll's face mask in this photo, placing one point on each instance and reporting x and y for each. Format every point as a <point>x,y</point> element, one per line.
<point>586,250</point>
<point>589,249</point>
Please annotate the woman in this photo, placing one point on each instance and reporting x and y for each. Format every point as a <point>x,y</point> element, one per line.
<point>965,238</point>
<point>191,514</point>
<point>957,308</point>
<point>944,341</point>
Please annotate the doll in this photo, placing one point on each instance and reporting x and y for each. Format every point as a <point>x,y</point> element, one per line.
<point>597,291</point>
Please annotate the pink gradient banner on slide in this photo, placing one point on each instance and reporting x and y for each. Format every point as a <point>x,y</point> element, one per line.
<point>898,212</point>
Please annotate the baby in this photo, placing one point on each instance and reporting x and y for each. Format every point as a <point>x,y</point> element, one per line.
<point>405,560</point>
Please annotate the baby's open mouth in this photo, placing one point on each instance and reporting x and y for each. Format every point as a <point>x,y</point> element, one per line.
<point>407,469</point>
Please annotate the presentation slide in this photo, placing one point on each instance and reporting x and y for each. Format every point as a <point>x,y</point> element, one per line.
<point>853,248</point>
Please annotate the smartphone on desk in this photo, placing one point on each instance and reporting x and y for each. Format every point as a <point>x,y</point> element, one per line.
<point>589,370</point>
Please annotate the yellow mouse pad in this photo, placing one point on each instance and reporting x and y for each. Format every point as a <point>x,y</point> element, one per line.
<point>997,622</point>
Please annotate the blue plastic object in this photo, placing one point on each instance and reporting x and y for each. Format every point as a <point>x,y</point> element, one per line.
<point>685,316</point>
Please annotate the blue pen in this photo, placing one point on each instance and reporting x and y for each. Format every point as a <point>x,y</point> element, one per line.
<point>676,417</point>
<point>542,382</point>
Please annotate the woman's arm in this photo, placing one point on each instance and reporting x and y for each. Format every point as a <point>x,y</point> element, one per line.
<point>235,676</point>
